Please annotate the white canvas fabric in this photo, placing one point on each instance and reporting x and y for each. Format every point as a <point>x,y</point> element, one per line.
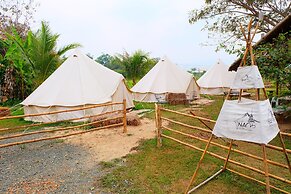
<point>78,82</point>
<point>216,80</point>
<point>214,91</point>
<point>248,77</point>
<point>165,77</point>
<point>247,120</point>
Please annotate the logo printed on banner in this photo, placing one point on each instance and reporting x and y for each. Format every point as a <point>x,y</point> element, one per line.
<point>271,118</point>
<point>246,122</point>
<point>249,78</point>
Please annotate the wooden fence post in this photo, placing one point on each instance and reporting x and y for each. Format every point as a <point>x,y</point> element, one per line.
<point>124,117</point>
<point>266,170</point>
<point>158,124</point>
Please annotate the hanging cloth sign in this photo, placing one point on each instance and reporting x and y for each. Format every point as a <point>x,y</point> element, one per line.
<point>247,120</point>
<point>247,77</point>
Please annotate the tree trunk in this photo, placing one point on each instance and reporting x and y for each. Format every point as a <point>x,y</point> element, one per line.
<point>277,86</point>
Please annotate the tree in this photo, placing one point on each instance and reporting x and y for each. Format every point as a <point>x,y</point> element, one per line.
<point>134,66</point>
<point>104,59</point>
<point>28,61</point>
<point>42,53</point>
<point>273,58</point>
<point>108,61</point>
<point>15,18</point>
<point>196,72</point>
<point>224,17</point>
<point>16,14</point>
<point>16,73</point>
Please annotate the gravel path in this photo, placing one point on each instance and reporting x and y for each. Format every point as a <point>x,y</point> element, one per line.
<point>70,165</point>
<point>47,167</point>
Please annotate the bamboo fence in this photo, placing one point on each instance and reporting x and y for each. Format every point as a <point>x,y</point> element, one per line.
<point>91,124</point>
<point>160,128</point>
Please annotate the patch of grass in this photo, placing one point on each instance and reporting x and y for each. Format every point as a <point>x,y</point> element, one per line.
<point>169,168</point>
<point>14,122</point>
<point>22,146</point>
<point>107,164</point>
<point>143,105</point>
<point>58,141</point>
<point>112,163</point>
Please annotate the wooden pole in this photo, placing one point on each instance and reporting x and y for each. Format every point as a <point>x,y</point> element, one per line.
<point>252,54</point>
<point>54,122</point>
<point>228,154</point>
<point>258,181</point>
<point>284,151</point>
<point>59,136</point>
<point>192,113</point>
<point>57,129</point>
<point>226,148</point>
<point>228,94</point>
<point>240,94</point>
<point>60,111</point>
<point>257,94</point>
<point>209,120</point>
<point>230,161</point>
<point>124,117</point>
<point>198,165</point>
<point>265,93</point>
<point>244,57</point>
<point>158,125</point>
<point>206,181</point>
<point>256,28</point>
<point>243,32</point>
<point>286,134</point>
<point>266,169</point>
<point>186,125</point>
<point>188,115</point>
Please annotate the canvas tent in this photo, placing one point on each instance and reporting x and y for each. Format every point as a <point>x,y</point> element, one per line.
<point>164,78</point>
<point>216,80</point>
<point>78,82</point>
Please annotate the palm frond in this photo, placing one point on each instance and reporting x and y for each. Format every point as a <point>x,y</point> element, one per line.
<point>66,48</point>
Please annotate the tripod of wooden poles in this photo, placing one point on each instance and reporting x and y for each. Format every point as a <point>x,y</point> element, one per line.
<point>249,51</point>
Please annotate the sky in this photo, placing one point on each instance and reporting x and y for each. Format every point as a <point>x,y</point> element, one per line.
<point>159,27</point>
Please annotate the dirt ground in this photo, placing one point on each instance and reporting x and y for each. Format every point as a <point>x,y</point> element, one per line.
<point>108,144</point>
<point>285,125</point>
<point>69,165</point>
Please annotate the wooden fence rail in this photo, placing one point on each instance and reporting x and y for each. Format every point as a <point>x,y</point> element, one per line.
<point>209,120</point>
<point>160,127</point>
<point>121,119</point>
<point>62,111</point>
<point>54,122</point>
<point>59,136</point>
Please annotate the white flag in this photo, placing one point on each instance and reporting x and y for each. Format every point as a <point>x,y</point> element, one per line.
<point>248,77</point>
<point>247,120</point>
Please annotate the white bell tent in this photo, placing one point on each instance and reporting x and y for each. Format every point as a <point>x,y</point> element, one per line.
<point>216,80</point>
<point>78,82</point>
<point>164,78</point>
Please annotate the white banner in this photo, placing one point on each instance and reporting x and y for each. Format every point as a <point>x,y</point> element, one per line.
<point>247,120</point>
<point>247,77</point>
